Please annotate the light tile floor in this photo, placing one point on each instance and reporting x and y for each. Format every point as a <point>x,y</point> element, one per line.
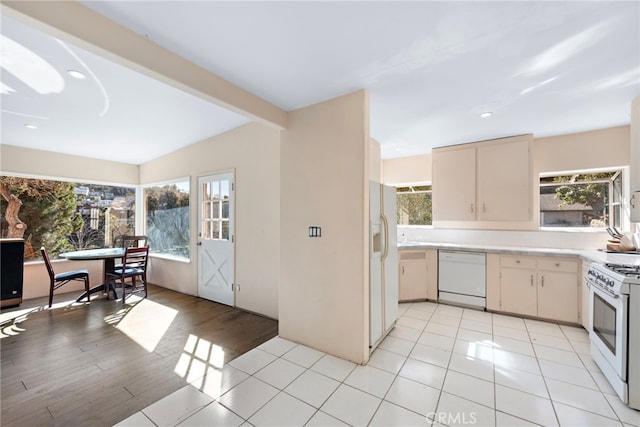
<point>441,365</point>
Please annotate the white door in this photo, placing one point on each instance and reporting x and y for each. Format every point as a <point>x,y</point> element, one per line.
<point>215,238</point>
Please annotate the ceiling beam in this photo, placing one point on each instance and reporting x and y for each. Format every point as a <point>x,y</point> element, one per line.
<point>73,22</point>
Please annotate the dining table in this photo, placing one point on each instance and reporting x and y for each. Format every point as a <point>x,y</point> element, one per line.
<point>107,255</point>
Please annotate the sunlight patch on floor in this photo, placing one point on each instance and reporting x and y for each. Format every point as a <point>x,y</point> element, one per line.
<point>146,323</point>
<point>200,362</point>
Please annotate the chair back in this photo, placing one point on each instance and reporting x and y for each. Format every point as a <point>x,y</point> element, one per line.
<point>126,241</point>
<point>135,258</point>
<point>47,262</point>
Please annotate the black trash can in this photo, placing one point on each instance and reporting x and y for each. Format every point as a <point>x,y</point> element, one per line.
<point>11,271</point>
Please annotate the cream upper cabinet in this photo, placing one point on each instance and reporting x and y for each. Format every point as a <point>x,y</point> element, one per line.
<point>486,185</point>
<point>418,275</point>
<point>545,287</point>
<point>454,172</point>
<point>504,181</point>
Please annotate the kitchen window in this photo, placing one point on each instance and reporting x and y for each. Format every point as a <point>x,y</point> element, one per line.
<point>414,205</point>
<point>588,199</point>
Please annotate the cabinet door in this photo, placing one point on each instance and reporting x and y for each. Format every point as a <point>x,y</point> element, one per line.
<point>518,291</point>
<point>413,276</point>
<point>454,185</point>
<point>432,274</point>
<point>558,296</point>
<point>504,182</point>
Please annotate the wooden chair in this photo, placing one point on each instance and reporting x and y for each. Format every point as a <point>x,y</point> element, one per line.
<point>61,279</point>
<point>132,274</point>
<point>126,241</point>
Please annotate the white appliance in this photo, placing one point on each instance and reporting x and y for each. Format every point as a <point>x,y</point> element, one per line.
<point>383,262</point>
<point>462,278</point>
<point>614,326</point>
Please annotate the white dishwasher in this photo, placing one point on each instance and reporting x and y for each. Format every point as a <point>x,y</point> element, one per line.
<point>462,278</point>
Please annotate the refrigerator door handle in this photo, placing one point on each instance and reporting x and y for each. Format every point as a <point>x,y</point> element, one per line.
<point>386,236</point>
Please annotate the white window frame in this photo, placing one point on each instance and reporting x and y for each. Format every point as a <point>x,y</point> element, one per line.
<point>143,215</point>
<point>419,184</point>
<point>622,171</point>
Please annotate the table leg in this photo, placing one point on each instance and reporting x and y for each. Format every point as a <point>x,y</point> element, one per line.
<point>107,266</point>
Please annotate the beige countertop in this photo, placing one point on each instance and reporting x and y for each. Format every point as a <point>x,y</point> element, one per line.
<point>588,256</point>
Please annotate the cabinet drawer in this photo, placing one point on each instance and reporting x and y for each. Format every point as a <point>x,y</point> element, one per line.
<point>517,262</point>
<point>413,255</point>
<point>554,264</point>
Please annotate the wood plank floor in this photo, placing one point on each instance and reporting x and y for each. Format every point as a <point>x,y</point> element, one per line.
<point>96,364</point>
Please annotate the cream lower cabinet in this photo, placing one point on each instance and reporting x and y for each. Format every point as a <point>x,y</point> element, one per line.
<point>558,289</point>
<point>544,287</point>
<point>418,275</point>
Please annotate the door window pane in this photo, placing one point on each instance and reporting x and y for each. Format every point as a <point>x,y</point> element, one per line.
<point>225,230</point>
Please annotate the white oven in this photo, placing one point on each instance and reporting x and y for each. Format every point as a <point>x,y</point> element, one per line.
<point>608,331</point>
<point>614,305</point>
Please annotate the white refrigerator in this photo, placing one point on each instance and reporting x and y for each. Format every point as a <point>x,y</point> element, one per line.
<point>383,262</point>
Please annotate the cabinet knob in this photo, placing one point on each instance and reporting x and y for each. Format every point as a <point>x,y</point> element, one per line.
<point>471,207</point>
<point>532,280</point>
<point>542,281</point>
<point>557,264</point>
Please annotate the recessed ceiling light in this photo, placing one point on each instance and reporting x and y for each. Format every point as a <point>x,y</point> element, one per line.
<point>76,74</point>
<point>486,114</point>
<point>30,126</point>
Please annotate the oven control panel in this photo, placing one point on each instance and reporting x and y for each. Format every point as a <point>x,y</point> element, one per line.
<point>600,278</point>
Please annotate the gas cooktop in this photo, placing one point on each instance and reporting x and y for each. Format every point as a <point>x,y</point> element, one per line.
<point>632,271</point>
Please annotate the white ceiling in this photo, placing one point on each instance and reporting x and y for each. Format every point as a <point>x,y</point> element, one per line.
<point>431,68</point>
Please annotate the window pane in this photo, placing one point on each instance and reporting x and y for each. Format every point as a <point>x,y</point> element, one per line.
<point>215,227</point>
<point>206,191</point>
<point>414,208</point>
<point>225,230</point>
<point>225,209</point>
<point>206,229</point>
<point>168,218</point>
<point>224,189</point>
<point>215,209</point>
<point>66,216</point>
<point>574,205</point>
<point>215,190</point>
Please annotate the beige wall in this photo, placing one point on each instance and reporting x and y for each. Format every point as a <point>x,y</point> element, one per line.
<point>324,281</point>
<point>26,161</point>
<point>407,170</point>
<point>375,163</point>
<point>253,151</point>
<point>601,148</point>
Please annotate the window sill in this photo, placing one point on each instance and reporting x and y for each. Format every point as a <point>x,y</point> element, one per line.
<point>574,229</point>
<point>170,257</point>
